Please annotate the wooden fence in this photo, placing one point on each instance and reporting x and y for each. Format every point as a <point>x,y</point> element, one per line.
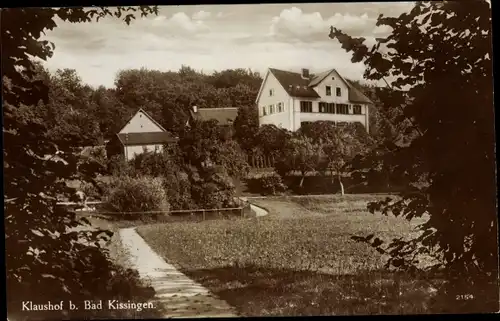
<point>261,161</point>
<point>240,211</point>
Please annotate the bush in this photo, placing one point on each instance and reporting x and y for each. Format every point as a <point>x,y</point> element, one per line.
<point>142,194</point>
<point>105,281</point>
<point>151,164</point>
<point>90,191</point>
<point>178,189</point>
<point>118,166</point>
<point>271,184</point>
<point>213,188</point>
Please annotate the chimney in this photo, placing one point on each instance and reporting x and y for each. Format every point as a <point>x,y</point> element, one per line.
<point>195,109</point>
<point>305,73</point>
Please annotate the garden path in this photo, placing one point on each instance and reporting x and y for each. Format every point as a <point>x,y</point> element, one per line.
<point>176,294</point>
<point>258,210</point>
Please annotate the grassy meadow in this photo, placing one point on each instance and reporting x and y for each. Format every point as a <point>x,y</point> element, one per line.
<point>298,260</point>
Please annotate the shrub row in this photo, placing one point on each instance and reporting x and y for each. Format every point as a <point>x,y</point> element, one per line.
<point>274,184</point>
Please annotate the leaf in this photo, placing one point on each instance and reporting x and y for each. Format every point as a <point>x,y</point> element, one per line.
<point>377,242</point>
<point>37,233</point>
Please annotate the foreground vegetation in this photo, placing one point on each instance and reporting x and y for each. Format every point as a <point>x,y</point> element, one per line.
<point>303,266</point>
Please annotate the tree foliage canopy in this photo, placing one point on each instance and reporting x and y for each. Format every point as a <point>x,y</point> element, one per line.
<point>43,259</point>
<point>437,61</point>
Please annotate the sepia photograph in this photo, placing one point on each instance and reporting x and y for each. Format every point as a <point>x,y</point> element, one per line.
<point>249,160</point>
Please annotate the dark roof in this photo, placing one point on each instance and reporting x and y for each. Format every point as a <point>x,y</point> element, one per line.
<point>316,79</point>
<point>294,84</point>
<point>355,95</point>
<point>145,138</point>
<point>224,115</point>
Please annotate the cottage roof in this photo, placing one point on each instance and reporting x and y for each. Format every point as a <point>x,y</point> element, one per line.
<point>297,86</point>
<point>356,95</point>
<point>223,115</point>
<point>145,138</point>
<point>294,84</point>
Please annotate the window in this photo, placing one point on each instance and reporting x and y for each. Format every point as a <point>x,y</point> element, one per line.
<point>280,107</point>
<point>328,108</point>
<point>339,92</point>
<point>271,109</point>
<point>264,111</point>
<point>306,106</point>
<point>342,109</point>
<point>271,92</point>
<point>328,90</point>
<point>356,109</point>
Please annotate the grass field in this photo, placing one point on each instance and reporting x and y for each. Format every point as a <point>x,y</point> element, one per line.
<point>298,260</point>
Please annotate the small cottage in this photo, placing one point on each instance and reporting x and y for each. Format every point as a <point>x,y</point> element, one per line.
<point>142,134</point>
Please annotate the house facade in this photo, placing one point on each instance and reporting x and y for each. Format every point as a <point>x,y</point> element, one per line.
<point>142,134</point>
<point>289,99</point>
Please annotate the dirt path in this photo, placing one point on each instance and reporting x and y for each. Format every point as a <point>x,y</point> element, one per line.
<point>283,209</point>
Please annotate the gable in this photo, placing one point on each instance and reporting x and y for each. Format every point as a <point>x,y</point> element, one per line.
<point>334,79</point>
<point>262,86</point>
<point>141,122</point>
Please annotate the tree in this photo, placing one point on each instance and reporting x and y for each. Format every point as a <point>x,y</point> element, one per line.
<point>35,229</point>
<point>299,154</point>
<point>272,139</point>
<point>68,112</point>
<point>246,127</point>
<point>205,145</point>
<point>339,147</point>
<point>109,111</point>
<point>440,54</point>
<point>235,77</point>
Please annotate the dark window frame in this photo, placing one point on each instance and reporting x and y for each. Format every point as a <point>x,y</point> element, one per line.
<point>306,106</point>
<point>342,109</point>
<point>326,108</point>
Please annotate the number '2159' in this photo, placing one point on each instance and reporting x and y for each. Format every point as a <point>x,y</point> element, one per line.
<point>464,297</point>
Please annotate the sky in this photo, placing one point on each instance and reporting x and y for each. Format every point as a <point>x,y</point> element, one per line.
<point>217,37</point>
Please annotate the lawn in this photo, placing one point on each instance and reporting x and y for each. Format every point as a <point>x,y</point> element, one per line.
<point>298,260</point>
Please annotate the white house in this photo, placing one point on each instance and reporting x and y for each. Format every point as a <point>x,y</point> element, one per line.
<point>288,99</point>
<point>141,134</point>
